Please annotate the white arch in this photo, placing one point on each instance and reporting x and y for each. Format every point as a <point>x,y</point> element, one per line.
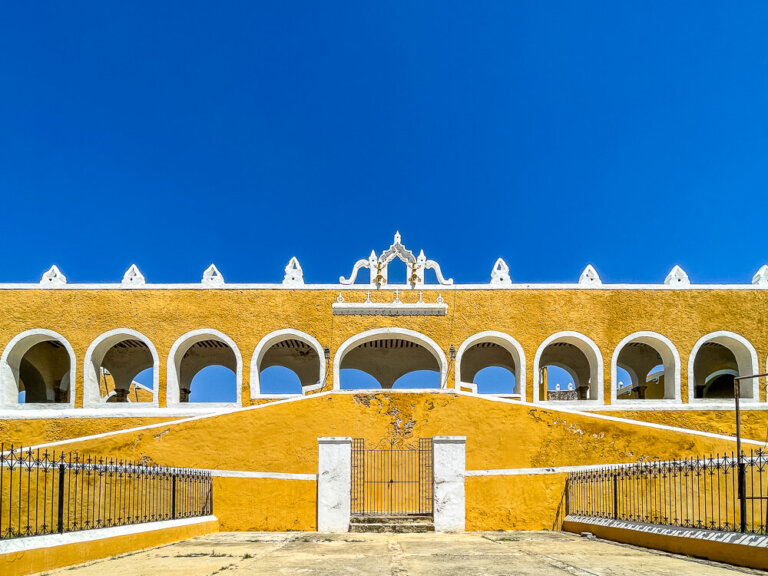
<point>270,340</point>
<point>94,356</point>
<point>746,360</point>
<point>670,358</point>
<point>376,334</point>
<point>590,350</point>
<point>9,366</point>
<point>505,341</point>
<point>180,348</point>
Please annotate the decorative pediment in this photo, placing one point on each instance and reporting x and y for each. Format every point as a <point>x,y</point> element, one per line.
<point>133,277</point>
<point>378,266</point>
<point>53,277</point>
<point>500,274</point>
<point>212,277</point>
<point>759,279</point>
<point>677,278</point>
<point>294,275</point>
<point>590,277</point>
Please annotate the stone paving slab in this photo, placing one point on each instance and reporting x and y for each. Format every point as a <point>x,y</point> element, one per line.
<point>468,554</point>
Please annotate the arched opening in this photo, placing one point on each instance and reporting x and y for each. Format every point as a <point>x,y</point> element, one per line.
<point>715,361</point>
<point>392,359</point>
<point>204,366</point>
<point>646,366</point>
<point>491,363</point>
<point>37,368</point>
<point>568,366</point>
<point>287,362</point>
<point>116,363</point>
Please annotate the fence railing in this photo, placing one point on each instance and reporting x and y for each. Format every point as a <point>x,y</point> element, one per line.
<point>49,492</point>
<point>692,493</point>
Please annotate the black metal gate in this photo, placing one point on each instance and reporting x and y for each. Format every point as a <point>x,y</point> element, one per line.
<point>392,478</point>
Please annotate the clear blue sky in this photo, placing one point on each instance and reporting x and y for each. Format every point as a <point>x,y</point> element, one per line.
<point>633,136</point>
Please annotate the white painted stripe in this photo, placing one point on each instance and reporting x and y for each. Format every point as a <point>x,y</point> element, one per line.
<point>546,408</point>
<point>364,287</point>
<point>268,475</point>
<point>50,540</point>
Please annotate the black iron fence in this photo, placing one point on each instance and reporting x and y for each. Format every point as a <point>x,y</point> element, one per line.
<point>48,492</point>
<point>693,493</point>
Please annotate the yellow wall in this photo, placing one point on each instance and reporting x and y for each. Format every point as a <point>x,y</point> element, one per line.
<point>530,316</point>
<point>282,437</point>
<point>42,559</point>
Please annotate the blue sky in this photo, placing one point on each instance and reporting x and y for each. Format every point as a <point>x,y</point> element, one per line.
<point>633,136</point>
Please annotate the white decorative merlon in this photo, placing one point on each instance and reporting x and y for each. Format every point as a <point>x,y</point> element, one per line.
<point>500,274</point>
<point>212,277</point>
<point>133,277</point>
<point>294,275</point>
<point>53,277</point>
<point>334,484</point>
<point>677,277</point>
<point>590,277</point>
<point>759,279</point>
<point>449,454</point>
<point>415,266</point>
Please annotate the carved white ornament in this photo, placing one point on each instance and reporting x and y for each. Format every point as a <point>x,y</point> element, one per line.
<point>759,279</point>
<point>133,277</point>
<point>590,277</point>
<point>677,277</point>
<point>53,277</point>
<point>294,275</point>
<point>212,277</point>
<point>500,274</point>
<point>377,266</point>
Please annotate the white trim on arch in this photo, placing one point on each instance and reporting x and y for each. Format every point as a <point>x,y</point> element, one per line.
<point>588,347</point>
<point>505,341</point>
<point>94,356</point>
<point>176,355</point>
<point>270,340</point>
<point>375,334</point>
<point>670,358</point>
<point>746,360</point>
<point>9,370</point>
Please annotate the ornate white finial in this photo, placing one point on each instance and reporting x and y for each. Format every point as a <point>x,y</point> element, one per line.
<point>590,277</point>
<point>421,298</point>
<point>759,279</point>
<point>368,297</point>
<point>500,274</point>
<point>133,277</point>
<point>377,265</point>
<point>53,277</point>
<point>440,299</point>
<point>340,298</point>
<point>677,277</point>
<point>397,297</point>
<point>294,275</point>
<point>212,277</point>
<point>557,387</point>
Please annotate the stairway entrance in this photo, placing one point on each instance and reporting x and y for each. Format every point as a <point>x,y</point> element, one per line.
<point>392,486</point>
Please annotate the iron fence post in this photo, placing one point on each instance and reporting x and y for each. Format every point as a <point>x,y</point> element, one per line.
<point>60,517</point>
<point>615,496</point>
<point>173,497</point>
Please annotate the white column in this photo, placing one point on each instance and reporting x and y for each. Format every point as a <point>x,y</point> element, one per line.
<point>334,484</point>
<point>449,455</point>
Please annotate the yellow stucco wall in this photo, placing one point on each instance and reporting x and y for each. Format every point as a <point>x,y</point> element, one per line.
<point>43,559</point>
<point>282,438</point>
<point>530,316</point>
